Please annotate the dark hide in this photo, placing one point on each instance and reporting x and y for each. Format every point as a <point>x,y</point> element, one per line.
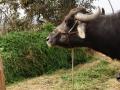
<point>103,34</point>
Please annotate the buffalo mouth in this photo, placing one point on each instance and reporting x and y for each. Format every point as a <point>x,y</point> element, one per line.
<point>49,44</point>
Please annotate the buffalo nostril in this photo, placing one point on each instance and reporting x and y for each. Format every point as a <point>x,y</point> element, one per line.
<point>118,77</point>
<point>47,38</point>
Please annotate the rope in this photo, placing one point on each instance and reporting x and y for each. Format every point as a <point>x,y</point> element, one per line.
<point>111,6</point>
<point>73,27</point>
<point>72,55</point>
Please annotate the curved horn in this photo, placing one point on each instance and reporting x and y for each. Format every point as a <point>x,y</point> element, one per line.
<point>84,17</point>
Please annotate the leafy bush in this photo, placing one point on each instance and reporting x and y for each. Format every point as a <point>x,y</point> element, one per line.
<point>25,54</point>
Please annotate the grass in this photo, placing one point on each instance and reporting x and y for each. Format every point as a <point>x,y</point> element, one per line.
<point>95,75</point>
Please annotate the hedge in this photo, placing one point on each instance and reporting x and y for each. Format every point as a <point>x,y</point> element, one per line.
<point>25,55</point>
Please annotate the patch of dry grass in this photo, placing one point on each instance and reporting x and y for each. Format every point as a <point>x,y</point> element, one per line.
<point>96,75</point>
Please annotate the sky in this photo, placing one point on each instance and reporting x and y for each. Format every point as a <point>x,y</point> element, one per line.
<point>22,12</point>
<point>105,4</point>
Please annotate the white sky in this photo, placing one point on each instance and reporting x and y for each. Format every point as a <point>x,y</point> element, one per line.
<point>105,4</point>
<point>22,12</point>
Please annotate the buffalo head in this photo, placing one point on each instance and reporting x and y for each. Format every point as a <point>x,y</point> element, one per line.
<point>71,32</point>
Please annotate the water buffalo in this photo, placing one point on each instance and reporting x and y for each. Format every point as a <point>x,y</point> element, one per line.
<point>81,28</point>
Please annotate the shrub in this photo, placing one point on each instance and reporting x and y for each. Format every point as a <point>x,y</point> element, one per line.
<point>25,54</point>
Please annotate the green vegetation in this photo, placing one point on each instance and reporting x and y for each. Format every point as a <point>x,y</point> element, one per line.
<point>95,75</point>
<point>25,54</point>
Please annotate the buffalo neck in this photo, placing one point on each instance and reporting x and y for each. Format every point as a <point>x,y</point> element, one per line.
<point>103,34</point>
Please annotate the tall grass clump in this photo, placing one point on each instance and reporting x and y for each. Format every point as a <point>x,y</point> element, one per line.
<point>25,54</point>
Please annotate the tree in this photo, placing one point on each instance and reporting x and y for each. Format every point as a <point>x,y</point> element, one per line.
<point>51,10</point>
<point>86,3</point>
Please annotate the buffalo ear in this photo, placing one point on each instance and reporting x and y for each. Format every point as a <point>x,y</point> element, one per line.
<point>81,30</point>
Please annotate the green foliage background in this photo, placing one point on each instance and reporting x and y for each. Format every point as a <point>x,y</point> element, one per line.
<point>25,54</point>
